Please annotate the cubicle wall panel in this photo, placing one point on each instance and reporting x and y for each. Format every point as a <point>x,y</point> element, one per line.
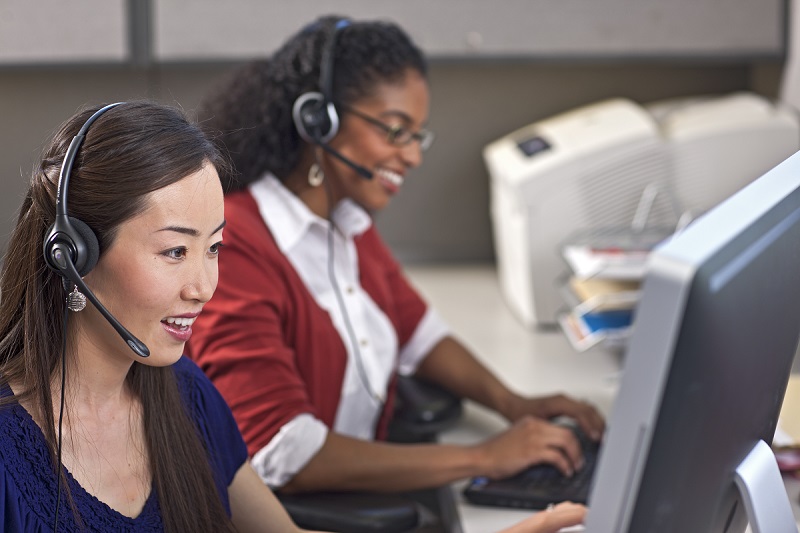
<point>61,31</point>
<point>186,30</point>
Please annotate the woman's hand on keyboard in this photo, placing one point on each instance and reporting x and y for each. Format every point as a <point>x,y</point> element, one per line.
<point>528,442</point>
<point>552,520</point>
<point>585,414</point>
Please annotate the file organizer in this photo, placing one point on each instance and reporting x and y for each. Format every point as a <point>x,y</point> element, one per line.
<point>602,292</point>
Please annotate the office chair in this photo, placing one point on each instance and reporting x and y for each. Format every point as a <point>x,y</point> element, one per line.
<point>421,411</point>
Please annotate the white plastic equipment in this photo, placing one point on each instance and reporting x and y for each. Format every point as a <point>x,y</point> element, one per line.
<point>588,168</point>
<point>718,145</point>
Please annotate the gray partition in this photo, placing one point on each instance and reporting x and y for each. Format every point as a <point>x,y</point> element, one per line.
<point>57,55</point>
<point>203,29</point>
<point>59,31</point>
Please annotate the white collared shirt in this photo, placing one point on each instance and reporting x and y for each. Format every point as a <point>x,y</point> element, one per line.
<point>303,237</point>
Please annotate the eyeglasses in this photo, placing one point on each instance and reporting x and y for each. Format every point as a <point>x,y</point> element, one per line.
<point>396,134</point>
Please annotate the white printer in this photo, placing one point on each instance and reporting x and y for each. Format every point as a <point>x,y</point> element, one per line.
<point>588,168</point>
<point>718,145</point>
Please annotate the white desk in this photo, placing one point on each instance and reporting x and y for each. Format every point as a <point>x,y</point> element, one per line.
<point>534,362</point>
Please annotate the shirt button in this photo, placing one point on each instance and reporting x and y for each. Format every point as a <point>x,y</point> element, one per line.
<point>364,342</point>
<point>350,289</point>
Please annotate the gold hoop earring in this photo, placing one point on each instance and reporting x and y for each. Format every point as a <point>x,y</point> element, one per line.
<point>315,175</point>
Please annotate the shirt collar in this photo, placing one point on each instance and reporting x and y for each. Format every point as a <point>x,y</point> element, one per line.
<point>289,219</point>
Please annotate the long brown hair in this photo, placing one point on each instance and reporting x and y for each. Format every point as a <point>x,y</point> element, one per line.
<point>130,151</point>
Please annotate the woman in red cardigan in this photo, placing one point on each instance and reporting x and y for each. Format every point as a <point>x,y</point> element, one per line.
<point>313,317</point>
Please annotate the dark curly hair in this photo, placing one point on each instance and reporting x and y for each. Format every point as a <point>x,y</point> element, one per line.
<point>250,113</point>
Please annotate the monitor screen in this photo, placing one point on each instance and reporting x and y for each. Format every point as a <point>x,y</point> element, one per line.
<point>704,376</point>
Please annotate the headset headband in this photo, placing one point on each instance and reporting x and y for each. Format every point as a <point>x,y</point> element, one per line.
<point>327,60</point>
<point>69,160</point>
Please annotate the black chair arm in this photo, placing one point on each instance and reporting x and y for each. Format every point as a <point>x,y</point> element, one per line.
<point>352,512</point>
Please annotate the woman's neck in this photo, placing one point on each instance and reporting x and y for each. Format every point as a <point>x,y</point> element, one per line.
<point>104,445</point>
<point>318,199</point>
<point>96,375</point>
<point>93,383</point>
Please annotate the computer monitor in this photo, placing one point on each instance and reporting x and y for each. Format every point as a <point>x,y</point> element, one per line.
<point>704,377</point>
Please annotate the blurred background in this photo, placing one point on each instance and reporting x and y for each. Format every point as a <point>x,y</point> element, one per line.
<point>496,66</point>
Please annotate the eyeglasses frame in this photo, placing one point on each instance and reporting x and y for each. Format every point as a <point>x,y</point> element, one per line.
<point>424,137</point>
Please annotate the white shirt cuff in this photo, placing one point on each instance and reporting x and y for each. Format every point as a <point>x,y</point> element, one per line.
<point>430,330</point>
<point>290,450</point>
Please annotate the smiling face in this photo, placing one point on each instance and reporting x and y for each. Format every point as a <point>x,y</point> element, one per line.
<point>403,103</point>
<point>159,271</point>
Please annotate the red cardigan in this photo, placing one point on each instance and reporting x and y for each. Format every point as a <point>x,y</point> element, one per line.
<point>265,343</point>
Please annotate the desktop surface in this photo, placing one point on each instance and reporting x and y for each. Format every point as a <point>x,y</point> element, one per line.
<point>529,361</point>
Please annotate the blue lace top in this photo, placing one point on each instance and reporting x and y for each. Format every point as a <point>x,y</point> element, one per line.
<point>28,484</point>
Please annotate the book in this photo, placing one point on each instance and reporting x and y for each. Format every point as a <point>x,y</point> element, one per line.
<point>586,330</point>
<point>600,294</point>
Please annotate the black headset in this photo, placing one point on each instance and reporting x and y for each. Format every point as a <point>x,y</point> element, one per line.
<point>71,248</point>
<point>314,113</point>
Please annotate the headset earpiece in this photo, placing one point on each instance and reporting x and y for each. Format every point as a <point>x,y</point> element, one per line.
<point>316,120</point>
<point>80,242</point>
<point>90,245</point>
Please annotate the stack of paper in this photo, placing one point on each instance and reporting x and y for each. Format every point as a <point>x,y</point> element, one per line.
<point>612,253</point>
<point>587,262</point>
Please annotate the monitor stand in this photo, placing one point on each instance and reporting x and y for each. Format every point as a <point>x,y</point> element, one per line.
<point>763,492</point>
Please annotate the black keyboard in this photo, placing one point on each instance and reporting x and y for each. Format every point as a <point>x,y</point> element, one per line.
<point>537,486</point>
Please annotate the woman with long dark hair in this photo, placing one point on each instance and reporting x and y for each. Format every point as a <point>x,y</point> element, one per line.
<point>94,436</point>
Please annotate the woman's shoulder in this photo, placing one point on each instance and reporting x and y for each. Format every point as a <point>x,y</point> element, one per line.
<point>372,249</point>
<point>371,239</point>
<point>191,378</point>
<point>26,470</point>
<point>20,436</point>
<point>240,206</point>
<point>242,217</point>
<point>245,229</point>
<point>251,254</point>
<point>198,392</point>
<point>212,417</point>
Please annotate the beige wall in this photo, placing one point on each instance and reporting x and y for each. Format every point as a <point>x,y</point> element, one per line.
<point>442,213</point>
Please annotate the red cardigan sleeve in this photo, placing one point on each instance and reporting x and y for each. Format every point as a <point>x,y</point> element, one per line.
<point>246,338</point>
